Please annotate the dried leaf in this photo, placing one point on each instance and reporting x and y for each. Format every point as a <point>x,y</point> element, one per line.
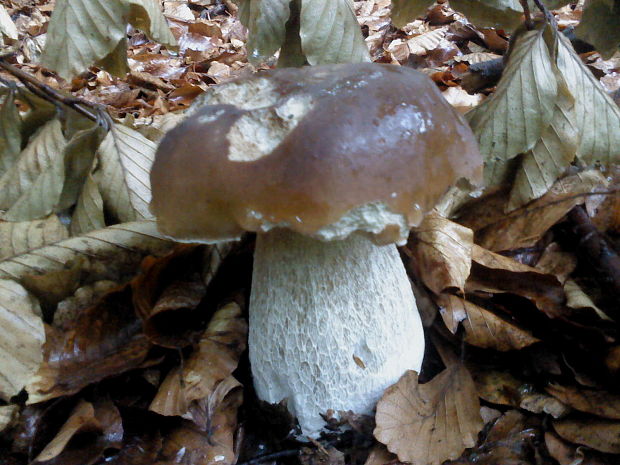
<point>600,26</point>
<point>105,340</point>
<point>101,419</point>
<point>10,132</point>
<point>215,358</point>
<point>126,157</point>
<point>8,416</point>
<point>512,120</point>
<point>147,16</point>
<point>502,14</point>
<point>22,336</point>
<point>31,187</point>
<point>330,33</point>
<point>7,26</point>
<point>423,43</point>
<point>600,403</point>
<point>432,422</point>
<point>88,214</point>
<point>105,253</point>
<point>266,22</point>
<point>597,115</point>
<point>22,237</point>
<point>405,11</point>
<point>443,251</point>
<point>483,328</point>
<point>577,298</point>
<point>602,435</point>
<point>498,387</point>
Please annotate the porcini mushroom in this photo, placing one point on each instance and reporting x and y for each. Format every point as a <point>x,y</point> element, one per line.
<point>330,166</point>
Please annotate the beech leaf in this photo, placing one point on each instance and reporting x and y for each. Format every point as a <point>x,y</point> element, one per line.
<point>600,403</point>
<point>88,214</point>
<point>405,11</point>
<point>10,133</point>
<point>427,424</point>
<point>125,158</point>
<point>7,26</point>
<point>330,33</point>
<point>265,20</point>
<point>600,26</point>
<point>22,336</point>
<point>502,14</point>
<point>602,435</point>
<point>31,187</point>
<point>17,238</point>
<point>512,120</point>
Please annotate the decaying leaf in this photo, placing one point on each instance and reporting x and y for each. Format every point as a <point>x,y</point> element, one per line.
<point>101,419</point>
<point>22,237</point>
<point>602,435</point>
<point>10,134</point>
<point>126,157</point>
<point>600,26</point>
<point>330,33</point>
<point>432,422</point>
<point>214,359</point>
<point>483,328</point>
<point>443,252</point>
<point>405,11</point>
<point>22,336</point>
<point>600,403</point>
<point>105,340</point>
<point>31,187</point>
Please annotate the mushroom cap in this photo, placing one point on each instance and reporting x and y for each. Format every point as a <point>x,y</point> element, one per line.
<point>324,151</point>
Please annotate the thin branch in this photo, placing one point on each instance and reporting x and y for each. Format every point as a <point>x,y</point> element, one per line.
<point>548,15</point>
<point>529,24</point>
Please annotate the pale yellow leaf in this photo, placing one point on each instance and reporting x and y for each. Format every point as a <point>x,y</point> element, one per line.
<point>125,159</point>
<point>88,214</point>
<point>8,416</point>
<point>330,33</point>
<point>427,424</point>
<point>31,188</point>
<point>22,337</point>
<point>577,298</point>
<point>17,238</point>
<point>7,26</point>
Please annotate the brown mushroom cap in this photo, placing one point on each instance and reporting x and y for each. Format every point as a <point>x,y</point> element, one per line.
<point>303,147</point>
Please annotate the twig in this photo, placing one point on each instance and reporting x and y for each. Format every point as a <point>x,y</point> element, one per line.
<point>99,115</point>
<point>529,24</point>
<point>548,16</point>
<point>269,457</point>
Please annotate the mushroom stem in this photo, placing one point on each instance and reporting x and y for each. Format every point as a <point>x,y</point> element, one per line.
<point>332,324</point>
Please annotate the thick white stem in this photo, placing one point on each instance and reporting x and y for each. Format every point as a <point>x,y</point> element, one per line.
<point>332,324</point>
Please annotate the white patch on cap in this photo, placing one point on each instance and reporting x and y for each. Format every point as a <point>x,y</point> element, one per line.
<point>258,133</point>
<point>246,95</point>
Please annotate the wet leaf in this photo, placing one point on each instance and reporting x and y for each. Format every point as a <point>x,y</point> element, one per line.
<point>512,120</point>
<point>104,340</point>
<point>22,237</point>
<point>213,360</point>
<point>88,214</point>
<point>483,328</point>
<point>502,14</point>
<point>432,422</point>
<point>31,187</point>
<point>266,22</point>
<point>330,33</point>
<point>600,403</point>
<point>10,134</point>
<point>600,26</point>
<point>101,419</point>
<point>443,251</point>
<point>22,336</point>
<point>405,11</point>
<point>602,435</point>
<point>597,115</point>
<point>126,157</point>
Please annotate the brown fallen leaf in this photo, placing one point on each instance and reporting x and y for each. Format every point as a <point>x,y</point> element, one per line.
<point>483,328</point>
<point>602,435</point>
<point>102,419</point>
<point>600,403</point>
<point>432,422</point>
<point>105,340</point>
<point>442,250</point>
<point>215,358</point>
<point>569,454</point>
<point>379,455</point>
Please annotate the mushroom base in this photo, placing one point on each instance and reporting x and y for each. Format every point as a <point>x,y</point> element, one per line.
<point>332,324</point>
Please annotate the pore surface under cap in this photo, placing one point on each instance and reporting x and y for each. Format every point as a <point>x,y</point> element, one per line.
<point>304,147</point>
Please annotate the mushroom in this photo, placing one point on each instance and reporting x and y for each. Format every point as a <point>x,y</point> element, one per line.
<point>330,166</point>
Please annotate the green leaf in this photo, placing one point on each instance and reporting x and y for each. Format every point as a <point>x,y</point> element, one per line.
<point>597,115</point>
<point>512,120</point>
<point>88,214</point>
<point>405,11</point>
<point>31,188</point>
<point>600,26</point>
<point>503,14</point>
<point>330,33</point>
<point>551,156</point>
<point>10,133</point>
<point>125,159</point>
<point>266,27</point>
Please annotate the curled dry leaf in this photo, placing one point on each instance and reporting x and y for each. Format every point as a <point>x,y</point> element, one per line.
<point>602,435</point>
<point>483,328</point>
<point>21,335</point>
<point>105,340</point>
<point>442,249</point>
<point>577,298</point>
<point>215,358</point>
<point>101,419</point>
<point>21,237</point>
<point>432,422</point>
<point>600,403</point>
